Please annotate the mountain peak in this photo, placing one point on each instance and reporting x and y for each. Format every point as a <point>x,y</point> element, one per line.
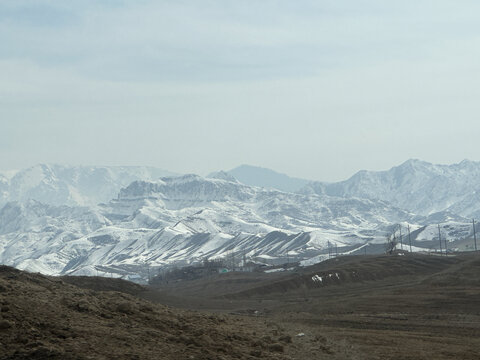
<point>414,163</point>
<point>266,178</point>
<point>222,175</point>
<point>416,185</point>
<point>56,184</point>
<point>467,162</point>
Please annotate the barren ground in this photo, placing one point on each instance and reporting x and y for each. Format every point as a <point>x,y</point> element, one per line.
<point>365,307</point>
<point>378,307</point>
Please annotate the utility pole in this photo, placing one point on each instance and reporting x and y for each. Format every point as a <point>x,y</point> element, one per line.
<point>440,239</point>
<point>401,238</point>
<point>474,235</point>
<point>336,250</point>
<point>409,238</point>
<point>446,254</point>
<point>329,251</point>
<point>395,240</point>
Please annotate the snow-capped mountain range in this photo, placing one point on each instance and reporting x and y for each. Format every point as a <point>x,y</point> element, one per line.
<point>58,220</point>
<point>72,185</point>
<point>415,185</point>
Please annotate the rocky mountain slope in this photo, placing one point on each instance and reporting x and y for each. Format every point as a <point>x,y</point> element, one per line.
<point>72,185</point>
<point>417,186</point>
<point>181,220</point>
<point>185,219</point>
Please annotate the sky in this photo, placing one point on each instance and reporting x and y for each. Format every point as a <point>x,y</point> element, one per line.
<point>312,88</point>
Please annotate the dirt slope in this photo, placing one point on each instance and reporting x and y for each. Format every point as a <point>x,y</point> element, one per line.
<point>415,307</point>
<point>418,307</point>
<point>46,318</point>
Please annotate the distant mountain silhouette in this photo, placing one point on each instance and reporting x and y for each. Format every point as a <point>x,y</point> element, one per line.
<point>262,177</point>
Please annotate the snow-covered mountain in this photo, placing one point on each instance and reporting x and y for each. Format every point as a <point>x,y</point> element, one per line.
<point>4,186</point>
<point>178,220</point>
<point>189,194</point>
<point>185,219</point>
<point>415,185</point>
<point>72,185</point>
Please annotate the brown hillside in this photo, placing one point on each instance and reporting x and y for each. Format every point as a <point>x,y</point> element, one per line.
<point>46,318</point>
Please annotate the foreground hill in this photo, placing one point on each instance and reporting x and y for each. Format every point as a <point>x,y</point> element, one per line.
<point>46,318</point>
<point>396,307</point>
<point>364,308</point>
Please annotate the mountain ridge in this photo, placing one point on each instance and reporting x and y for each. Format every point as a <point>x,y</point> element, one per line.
<point>263,177</point>
<point>72,185</point>
<point>183,219</point>
<point>414,185</point>
<point>187,218</point>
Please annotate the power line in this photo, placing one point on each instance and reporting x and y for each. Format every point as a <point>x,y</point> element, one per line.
<point>401,238</point>
<point>474,234</point>
<point>440,239</point>
<point>409,238</point>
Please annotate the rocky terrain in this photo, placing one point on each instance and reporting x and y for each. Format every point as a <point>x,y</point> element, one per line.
<point>353,307</point>
<point>418,186</point>
<point>48,318</point>
<point>179,220</point>
<point>72,185</point>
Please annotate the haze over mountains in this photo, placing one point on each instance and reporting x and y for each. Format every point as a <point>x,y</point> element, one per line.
<point>417,186</point>
<point>84,220</point>
<point>72,185</point>
<point>262,177</point>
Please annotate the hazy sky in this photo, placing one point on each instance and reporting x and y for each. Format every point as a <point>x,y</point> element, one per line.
<point>315,89</point>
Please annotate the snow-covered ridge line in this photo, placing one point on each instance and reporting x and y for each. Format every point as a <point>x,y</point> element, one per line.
<point>178,220</point>
<point>183,219</point>
<point>188,186</point>
<point>72,185</point>
<point>415,185</point>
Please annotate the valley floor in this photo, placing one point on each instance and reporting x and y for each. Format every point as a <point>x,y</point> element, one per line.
<point>370,307</point>
<point>390,307</point>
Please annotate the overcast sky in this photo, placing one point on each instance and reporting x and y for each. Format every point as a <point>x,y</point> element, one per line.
<point>315,89</point>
